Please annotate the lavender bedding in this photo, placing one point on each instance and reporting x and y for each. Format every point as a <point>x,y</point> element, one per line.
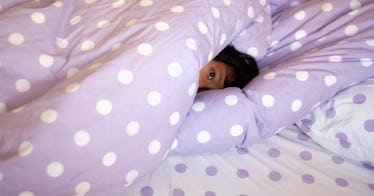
<point>93,94</point>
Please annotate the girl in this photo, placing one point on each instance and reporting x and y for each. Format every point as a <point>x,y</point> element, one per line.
<point>230,68</point>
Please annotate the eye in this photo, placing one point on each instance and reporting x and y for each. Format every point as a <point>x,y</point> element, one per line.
<point>212,74</point>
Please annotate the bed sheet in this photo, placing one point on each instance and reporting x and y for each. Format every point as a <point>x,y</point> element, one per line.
<point>289,163</point>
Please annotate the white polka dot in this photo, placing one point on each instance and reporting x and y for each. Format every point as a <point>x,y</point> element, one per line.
<point>227,2</point>
<point>192,89</point>
<point>203,137</point>
<point>109,159</point>
<point>145,49</point>
<point>300,34</point>
<point>259,19</point>
<point>270,76</point>
<point>222,39</point>
<point>87,45</point>
<point>103,23</point>
<point>370,42</point>
<point>236,130</point>
<point>81,138</point>
<point>295,45</point>
<point>253,51</point>
<point>125,76</point>
<point>326,7</point>
<point>154,98</point>
<point>202,27</point>
<point>82,188</point>
<point>174,145</point>
<point>191,44</point>
<point>198,106</point>
<point>23,85</point>
<point>57,4</point>
<point>131,176</point>
<point>49,116</point>
<point>251,12</point>
<point>145,3</point>
<point>174,118</point>
<point>296,105</point>
<point>26,193</point>
<point>38,17</point>
<point>302,75</point>
<point>353,12</point>
<point>132,128</point>
<point>355,4</point>
<point>231,100</point>
<point>267,100</point>
<point>330,80</point>
<point>18,109</point>
<point>89,1</point>
<point>62,43</point>
<point>154,147</point>
<point>94,66</point>
<point>3,108</point>
<point>335,59</point>
<point>75,20</point>
<point>274,43</point>
<point>351,30</point>
<point>177,9</point>
<point>72,87</point>
<point>104,107</point>
<point>175,69</point>
<point>16,39</point>
<point>300,15</point>
<point>46,60</point>
<point>116,46</point>
<point>162,26</point>
<point>215,12</point>
<point>25,148</point>
<point>131,22</point>
<point>118,3</point>
<point>55,169</point>
<point>72,72</point>
<point>263,2</point>
<point>366,62</point>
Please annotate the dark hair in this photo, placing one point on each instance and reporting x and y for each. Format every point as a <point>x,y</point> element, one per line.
<point>243,65</point>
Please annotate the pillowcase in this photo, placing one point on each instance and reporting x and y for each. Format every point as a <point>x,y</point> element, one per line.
<point>345,124</point>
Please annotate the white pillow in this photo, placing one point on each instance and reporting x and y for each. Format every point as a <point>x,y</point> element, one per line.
<point>345,124</point>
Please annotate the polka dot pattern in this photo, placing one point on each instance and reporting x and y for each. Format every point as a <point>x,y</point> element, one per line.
<point>232,167</point>
<point>114,81</point>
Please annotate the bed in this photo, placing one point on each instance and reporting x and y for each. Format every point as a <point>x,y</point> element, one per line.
<point>100,98</point>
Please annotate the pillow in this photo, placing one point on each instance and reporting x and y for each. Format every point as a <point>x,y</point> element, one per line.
<point>215,125</point>
<point>345,124</point>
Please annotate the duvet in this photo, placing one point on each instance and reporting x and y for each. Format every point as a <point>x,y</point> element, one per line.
<point>94,94</point>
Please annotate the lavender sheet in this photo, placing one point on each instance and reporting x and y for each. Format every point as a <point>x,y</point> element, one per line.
<point>92,93</point>
<point>315,50</point>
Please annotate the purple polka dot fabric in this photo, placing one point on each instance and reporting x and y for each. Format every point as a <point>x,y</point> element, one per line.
<point>350,131</point>
<point>93,93</point>
<point>306,64</point>
<point>268,168</point>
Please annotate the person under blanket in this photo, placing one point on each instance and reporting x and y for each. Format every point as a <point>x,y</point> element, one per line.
<point>230,68</point>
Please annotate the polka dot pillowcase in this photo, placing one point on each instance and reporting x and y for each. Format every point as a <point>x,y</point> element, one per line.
<point>345,124</point>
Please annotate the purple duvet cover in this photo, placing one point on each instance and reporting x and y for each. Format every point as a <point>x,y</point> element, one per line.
<point>93,93</point>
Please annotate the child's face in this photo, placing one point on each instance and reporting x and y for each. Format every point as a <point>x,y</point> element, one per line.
<point>213,75</point>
